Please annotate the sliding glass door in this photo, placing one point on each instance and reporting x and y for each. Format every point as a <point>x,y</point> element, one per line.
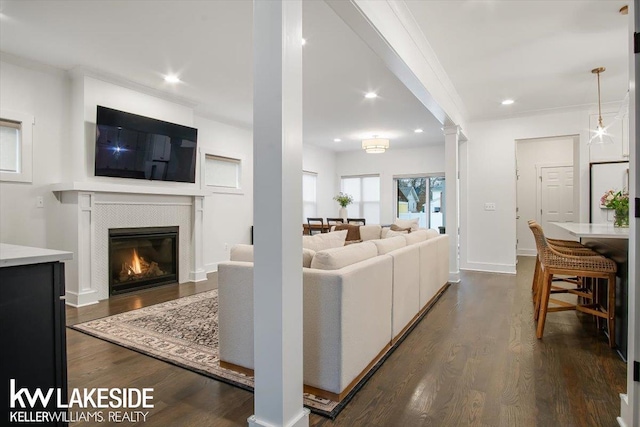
<point>421,197</point>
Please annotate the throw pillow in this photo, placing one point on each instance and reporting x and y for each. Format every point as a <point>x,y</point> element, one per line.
<point>353,231</point>
<point>398,228</point>
<point>324,241</point>
<point>408,223</point>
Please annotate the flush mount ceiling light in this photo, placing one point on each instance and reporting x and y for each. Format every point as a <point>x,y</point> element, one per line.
<point>600,134</point>
<point>170,78</point>
<point>337,140</point>
<point>507,102</point>
<point>418,130</point>
<point>304,41</point>
<point>375,145</point>
<point>370,95</point>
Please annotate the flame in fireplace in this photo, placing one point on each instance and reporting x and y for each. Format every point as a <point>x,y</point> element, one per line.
<point>135,263</point>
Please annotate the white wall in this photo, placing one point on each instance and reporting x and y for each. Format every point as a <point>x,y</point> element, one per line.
<point>323,162</point>
<point>43,93</point>
<point>532,154</point>
<point>488,238</point>
<point>394,162</point>
<point>228,217</point>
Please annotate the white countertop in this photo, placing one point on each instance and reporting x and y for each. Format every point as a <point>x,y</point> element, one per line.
<point>603,231</point>
<point>12,255</point>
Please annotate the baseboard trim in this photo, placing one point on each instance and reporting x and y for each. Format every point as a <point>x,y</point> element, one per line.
<point>211,268</point>
<point>490,268</point>
<point>198,276</point>
<point>300,420</point>
<point>526,252</point>
<point>80,299</point>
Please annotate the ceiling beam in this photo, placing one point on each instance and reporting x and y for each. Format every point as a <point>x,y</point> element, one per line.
<point>390,30</point>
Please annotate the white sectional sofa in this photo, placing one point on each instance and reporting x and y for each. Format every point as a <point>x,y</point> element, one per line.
<point>359,300</point>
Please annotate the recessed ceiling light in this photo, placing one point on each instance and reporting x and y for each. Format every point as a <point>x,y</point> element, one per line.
<point>304,41</point>
<point>170,78</point>
<point>371,95</point>
<point>418,131</point>
<point>507,102</point>
<point>337,140</point>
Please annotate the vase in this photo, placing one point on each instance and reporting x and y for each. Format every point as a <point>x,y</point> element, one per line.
<point>621,217</point>
<point>342,213</point>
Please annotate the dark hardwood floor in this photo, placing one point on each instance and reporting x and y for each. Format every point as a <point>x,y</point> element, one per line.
<point>473,360</point>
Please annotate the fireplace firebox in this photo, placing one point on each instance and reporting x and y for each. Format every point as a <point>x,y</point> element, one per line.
<point>141,258</point>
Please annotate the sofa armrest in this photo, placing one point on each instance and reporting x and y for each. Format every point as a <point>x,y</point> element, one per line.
<point>347,321</point>
<point>235,312</point>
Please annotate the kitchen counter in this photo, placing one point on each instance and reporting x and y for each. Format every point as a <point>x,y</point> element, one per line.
<point>14,255</point>
<point>601,231</point>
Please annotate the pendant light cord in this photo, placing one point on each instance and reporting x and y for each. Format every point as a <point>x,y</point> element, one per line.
<point>599,107</point>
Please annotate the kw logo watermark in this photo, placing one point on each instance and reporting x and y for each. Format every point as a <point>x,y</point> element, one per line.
<point>88,404</point>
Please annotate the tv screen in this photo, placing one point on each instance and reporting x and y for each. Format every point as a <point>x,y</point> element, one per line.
<point>132,146</point>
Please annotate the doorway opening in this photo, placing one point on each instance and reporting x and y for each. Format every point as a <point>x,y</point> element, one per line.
<point>545,188</point>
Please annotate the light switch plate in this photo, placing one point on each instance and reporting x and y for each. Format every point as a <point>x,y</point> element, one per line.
<point>40,202</point>
<point>489,206</point>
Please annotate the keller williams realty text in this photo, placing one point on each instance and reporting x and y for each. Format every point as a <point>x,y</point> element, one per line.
<point>123,404</point>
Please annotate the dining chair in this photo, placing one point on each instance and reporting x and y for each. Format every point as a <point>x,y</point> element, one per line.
<point>357,221</point>
<point>334,221</point>
<point>316,224</point>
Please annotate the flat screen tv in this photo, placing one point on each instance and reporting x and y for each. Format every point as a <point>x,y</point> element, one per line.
<point>132,146</point>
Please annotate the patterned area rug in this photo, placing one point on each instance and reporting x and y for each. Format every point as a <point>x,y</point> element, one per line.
<point>184,332</point>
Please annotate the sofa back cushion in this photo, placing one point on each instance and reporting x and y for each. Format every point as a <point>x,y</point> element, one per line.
<point>244,253</point>
<point>408,223</point>
<point>416,237</point>
<point>431,233</point>
<point>389,244</point>
<point>370,232</point>
<point>322,241</point>
<point>336,258</point>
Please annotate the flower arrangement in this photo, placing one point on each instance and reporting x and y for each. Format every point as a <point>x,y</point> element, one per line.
<point>619,202</point>
<point>344,199</point>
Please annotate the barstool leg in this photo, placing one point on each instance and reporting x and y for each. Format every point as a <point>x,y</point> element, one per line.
<point>534,283</point>
<point>544,303</point>
<point>611,310</point>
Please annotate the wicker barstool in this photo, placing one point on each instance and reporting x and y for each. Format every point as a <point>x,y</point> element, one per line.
<point>554,262</point>
<point>567,247</point>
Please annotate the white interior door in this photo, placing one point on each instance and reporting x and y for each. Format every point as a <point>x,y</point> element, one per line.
<point>556,199</point>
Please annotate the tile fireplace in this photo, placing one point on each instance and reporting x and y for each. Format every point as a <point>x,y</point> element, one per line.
<point>142,257</point>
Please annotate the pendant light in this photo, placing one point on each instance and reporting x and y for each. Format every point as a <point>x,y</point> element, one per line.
<point>600,134</point>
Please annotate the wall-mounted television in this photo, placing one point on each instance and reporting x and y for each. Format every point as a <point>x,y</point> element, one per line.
<point>132,146</point>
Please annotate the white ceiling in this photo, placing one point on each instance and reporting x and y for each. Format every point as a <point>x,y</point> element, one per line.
<point>536,52</point>
<point>209,45</point>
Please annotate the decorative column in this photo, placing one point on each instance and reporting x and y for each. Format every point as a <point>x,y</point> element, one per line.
<point>277,207</point>
<point>452,198</point>
<point>197,272</point>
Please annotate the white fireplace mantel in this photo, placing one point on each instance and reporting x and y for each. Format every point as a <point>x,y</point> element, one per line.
<point>107,187</point>
<point>88,209</point>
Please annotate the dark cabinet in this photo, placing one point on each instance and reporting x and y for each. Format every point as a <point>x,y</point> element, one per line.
<point>32,332</point>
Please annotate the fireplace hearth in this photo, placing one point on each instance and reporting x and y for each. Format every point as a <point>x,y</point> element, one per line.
<point>142,258</point>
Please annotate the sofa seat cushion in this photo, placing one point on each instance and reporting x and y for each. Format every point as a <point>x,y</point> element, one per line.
<point>244,253</point>
<point>416,237</point>
<point>389,244</point>
<point>370,232</point>
<point>322,241</point>
<point>336,258</point>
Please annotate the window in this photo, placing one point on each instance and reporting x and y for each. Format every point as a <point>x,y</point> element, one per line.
<point>222,173</point>
<point>309,203</point>
<point>365,191</point>
<point>15,147</point>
